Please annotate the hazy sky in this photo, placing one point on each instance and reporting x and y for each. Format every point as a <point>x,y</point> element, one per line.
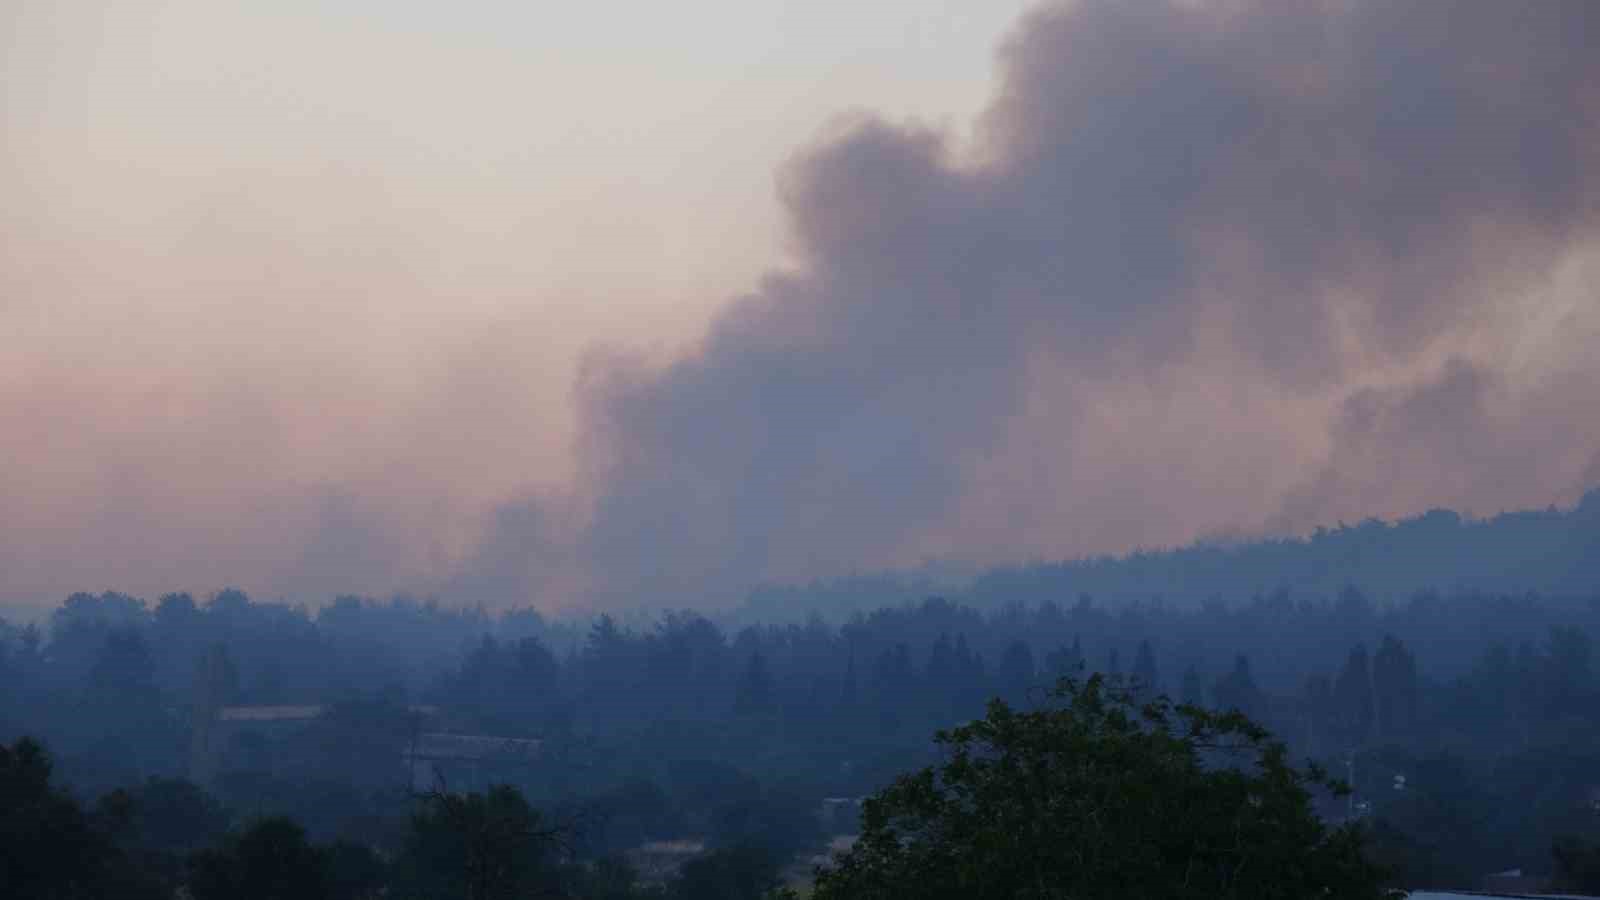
<point>324,297</point>
<point>263,259</point>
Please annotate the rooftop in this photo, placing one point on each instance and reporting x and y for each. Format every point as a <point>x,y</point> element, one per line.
<point>268,713</point>
<point>473,746</point>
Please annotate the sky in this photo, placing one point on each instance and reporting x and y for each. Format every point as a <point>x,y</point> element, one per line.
<point>596,305</point>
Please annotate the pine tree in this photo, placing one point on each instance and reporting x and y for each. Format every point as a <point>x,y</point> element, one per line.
<point>1145,677</point>
<point>943,667</point>
<point>1352,695</point>
<point>1016,673</point>
<point>754,694</point>
<point>1318,710</point>
<point>1237,691</point>
<point>1394,684</point>
<point>848,692</point>
<point>893,681</point>
<point>1065,662</point>
<point>1194,692</point>
<point>970,689</point>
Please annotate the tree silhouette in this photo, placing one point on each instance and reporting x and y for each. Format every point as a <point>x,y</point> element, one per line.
<point>754,693</point>
<point>1352,696</point>
<point>1096,797</point>
<point>1194,692</point>
<point>1145,676</point>
<point>1394,688</point>
<point>1016,672</point>
<point>1237,691</point>
<point>51,848</point>
<point>488,846</point>
<point>269,860</point>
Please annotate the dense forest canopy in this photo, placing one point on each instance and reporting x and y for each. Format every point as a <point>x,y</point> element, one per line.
<point>698,731</point>
<point>1551,552</point>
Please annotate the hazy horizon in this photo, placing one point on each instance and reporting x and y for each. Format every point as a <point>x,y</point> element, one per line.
<point>523,304</point>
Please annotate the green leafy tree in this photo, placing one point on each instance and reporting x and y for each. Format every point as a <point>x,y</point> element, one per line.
<point>894,682</point>
<point>50,847</point>
<point>1237,691</point>
<point>121,689</point>
<point>171,815</point>
<point>354,871</point>
<point>1093,797</point>
<point>1193,691</point>
<point>1016,672</point>
<point>1146,678</point>
<point>733,873</point>
<point>780,819</point>
<point>1352,697</point>
<point>270,860</point>
<point>1577,865</point>
<point>1566,680</point>
<point>609,878</point>
<point>753,696</point>
<point>1065,662</point>
<point>489,846</point>
<point>1318,711</point>
<point>1434,828</point>
<point>1394,687</point>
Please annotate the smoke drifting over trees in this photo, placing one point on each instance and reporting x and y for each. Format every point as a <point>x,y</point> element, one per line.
<point>1203,266</point>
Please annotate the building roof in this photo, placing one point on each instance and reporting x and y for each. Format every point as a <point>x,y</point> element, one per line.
<point>268,713</point>
<point>474,746</point>
<point>290,713</point>
<point>1490,895</point>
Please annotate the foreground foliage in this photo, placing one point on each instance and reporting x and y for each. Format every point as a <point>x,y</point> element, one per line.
<point>1097,796</point>
<point>271,859</point>
<point>478,847</point>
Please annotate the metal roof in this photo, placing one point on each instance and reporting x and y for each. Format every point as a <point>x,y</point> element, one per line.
<point>1512,884</point>
<point>268,713</point>
<point>474,746</point>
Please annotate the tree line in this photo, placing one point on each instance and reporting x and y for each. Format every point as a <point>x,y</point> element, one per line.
<point>1466,722</point>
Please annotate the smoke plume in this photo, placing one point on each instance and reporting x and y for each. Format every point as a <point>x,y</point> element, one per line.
<point>1198,268</point>
<point>1202,266</point>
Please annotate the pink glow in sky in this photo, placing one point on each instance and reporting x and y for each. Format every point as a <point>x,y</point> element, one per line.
<point>568,304</point>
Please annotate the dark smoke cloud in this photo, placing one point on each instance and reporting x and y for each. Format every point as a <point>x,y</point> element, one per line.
<point>1195,253</point>
<point>1463,439</point>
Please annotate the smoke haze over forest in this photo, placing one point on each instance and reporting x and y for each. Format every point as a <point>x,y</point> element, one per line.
<point>1196,269</point>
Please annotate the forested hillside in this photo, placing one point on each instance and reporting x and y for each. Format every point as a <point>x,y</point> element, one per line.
<point>1550,552</point>
<point>1482,699</point>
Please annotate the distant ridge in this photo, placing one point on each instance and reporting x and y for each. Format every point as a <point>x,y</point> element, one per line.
<point>1553,552</point>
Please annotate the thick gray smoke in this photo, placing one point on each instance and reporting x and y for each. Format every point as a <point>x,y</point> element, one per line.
<point>1203,266</point>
